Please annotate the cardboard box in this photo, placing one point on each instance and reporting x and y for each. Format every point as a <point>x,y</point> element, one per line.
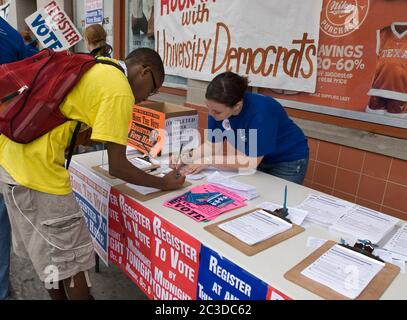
<point>162,127</point>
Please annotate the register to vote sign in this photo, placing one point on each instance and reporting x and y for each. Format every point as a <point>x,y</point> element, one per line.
<point>53,28</point>
<point>220,279</point>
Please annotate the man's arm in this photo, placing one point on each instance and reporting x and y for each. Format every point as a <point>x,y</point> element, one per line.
<point>121,168</point>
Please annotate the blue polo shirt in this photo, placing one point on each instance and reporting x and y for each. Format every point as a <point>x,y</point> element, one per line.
<point>12,47</point>
<point>276,137</point>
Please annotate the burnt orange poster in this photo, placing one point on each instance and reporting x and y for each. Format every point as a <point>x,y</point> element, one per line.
<point>362,58</point>
<point>145,133</point>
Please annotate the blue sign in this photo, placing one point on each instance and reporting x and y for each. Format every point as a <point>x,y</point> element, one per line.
<point>97,223</point>
<point>94,16</point>
<point>221,279</point>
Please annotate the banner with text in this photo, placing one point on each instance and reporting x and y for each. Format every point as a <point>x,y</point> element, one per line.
<point>197,40</point>
<point>221,279</point>
<point>362,58</point>
<point>92,194</point>
<point>53,28</point>
<point>159,257</point>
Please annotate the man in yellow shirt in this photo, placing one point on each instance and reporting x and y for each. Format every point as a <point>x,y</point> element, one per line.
<point>47,223</point>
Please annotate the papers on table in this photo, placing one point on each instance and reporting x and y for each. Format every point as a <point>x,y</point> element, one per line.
<point>139,163</point>
<point>296,215</point>
<point>142,189</point>
<point>206,202</point>
<point>398,243</point>
<point>245,190</point>
<point>224,173</point>
<point>193,177</point>
<point>392,257</point>
<point>315,243</point>
<point>324,210</point>
<point>364,224</point>
<point>131,151</point>
<point>229,173</point>
<point>255,227</point>
<point>344,271</point>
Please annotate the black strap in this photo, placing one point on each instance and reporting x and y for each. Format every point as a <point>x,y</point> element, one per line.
<point>110,63</point>
<point>78,125</point>
<point>72,145</point>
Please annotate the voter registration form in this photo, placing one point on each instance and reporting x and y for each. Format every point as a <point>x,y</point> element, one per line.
<point>255,227</point>
<point>344,271</point>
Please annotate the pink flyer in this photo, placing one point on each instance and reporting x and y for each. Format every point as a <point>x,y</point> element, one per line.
<point>206,202</point>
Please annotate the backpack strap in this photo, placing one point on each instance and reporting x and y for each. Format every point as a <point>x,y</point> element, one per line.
<point>72,145</point>
<point>78,125</point>
<point>110,63</point>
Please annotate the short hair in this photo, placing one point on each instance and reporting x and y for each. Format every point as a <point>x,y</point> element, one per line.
<point>227,88</point>
<point>147,57</point>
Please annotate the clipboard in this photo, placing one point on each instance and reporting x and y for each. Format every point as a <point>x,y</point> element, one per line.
<point>141,197</point>
<point>373,291</point>
<point>258,247</point>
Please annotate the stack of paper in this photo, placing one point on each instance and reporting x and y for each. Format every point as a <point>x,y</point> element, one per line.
<point>398,243</point>
<point>324,210</point>
<point>130,151</point>
<point>142,189</point>
<point>364,224</point>
<point>255,227</point>
<point>296,215</point>
<point>137,162</point>
<point>344,271</point>
<point>244,190</point>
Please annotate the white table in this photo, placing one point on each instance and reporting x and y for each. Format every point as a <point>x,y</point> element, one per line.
<point>269,265</point>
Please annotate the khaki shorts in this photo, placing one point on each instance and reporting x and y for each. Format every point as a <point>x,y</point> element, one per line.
<point>49,229</point>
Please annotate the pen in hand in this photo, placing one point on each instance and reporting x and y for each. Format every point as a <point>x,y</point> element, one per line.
<point>177,163</point>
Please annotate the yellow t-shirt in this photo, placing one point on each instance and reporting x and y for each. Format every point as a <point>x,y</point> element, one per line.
<point>102,100</point>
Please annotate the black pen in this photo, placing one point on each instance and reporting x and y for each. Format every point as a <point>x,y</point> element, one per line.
<point>178,159</point>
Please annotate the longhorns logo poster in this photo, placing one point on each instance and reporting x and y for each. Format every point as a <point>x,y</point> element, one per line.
<point>341,18</point>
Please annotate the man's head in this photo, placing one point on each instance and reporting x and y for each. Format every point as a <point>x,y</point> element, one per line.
<point>145,72</point>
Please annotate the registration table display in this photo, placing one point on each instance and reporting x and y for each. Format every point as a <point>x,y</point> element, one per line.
<point>168,255</point>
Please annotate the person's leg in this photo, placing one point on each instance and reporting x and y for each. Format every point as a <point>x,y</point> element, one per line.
<point>55,235</point>
<point>77,287</point>
<point>4,250</point>
<point>58,294</point>
<point>293,171</point>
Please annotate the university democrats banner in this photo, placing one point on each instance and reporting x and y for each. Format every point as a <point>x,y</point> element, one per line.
<point>273,42</point>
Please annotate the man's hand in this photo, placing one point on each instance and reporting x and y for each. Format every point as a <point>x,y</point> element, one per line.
<point>173,180</point>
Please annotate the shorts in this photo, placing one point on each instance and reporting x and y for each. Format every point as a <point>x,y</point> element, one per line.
<point>49,229</point>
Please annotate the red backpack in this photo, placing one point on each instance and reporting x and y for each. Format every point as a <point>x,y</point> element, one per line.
<point>31,91</point>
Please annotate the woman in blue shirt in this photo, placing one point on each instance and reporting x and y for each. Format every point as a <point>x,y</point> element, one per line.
<point>256,126</point>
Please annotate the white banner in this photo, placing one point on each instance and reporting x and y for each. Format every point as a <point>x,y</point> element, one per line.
<point>273,42</point>
<point>92,194</point>
<point>53,28</point>
<point>4,10</point>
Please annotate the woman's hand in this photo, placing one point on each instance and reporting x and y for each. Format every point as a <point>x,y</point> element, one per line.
<point>194,168</point>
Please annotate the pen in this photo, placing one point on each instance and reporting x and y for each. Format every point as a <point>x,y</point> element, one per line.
<point>285,200</point>
<point>178,159</point>
<point>147,156</point>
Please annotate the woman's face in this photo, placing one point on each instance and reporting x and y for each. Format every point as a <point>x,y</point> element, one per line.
<point>219,111</point>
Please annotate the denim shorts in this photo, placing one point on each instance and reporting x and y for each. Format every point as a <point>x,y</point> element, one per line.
<point>293,171</point>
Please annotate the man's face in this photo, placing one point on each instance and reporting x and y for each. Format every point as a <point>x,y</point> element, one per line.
<point>143,82</point>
